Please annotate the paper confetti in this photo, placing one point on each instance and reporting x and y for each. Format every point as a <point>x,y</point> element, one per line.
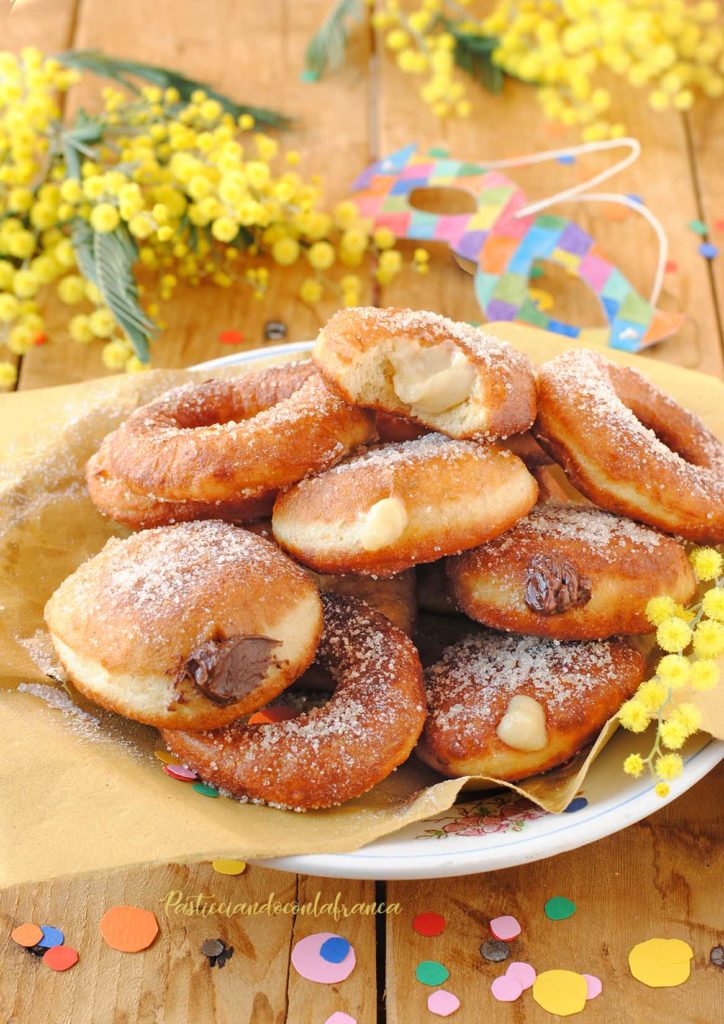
<point>708,250</point>
<point>442,1003</point>
<point>698,227</point>
<point>129,929</point>
<point>567,158</point>
<point>163,755</point>
<point>558,908</point>
<point>231,337</point>
<point>60,958</point>
<point>177,771</point>
<point>26,935</point>
<point>51,937</point>
<point>339,1017</point>
<point>429,924</point>
<point>334,950</point>
<point>308,962</point>
<point>523,973</point>
<point>505,928</point>
<point>594,985</point>
<point>506,989</point>
<point>661,963</point>
<point>229,867</point>
<point>201,787</point>
<point>277,713</point>
<point>560,992</point>
<point>576,804</point>
<point>494,950</point>
<point>431,972</point>
<point>671,266</point>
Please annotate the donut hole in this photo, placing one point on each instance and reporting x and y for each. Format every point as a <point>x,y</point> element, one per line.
<point>673,434</point>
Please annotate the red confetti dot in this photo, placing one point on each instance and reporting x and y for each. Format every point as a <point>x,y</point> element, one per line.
<point>60,958</point>
<point>719,225</point>
<point>671,266</point>
<point>429,924</point>
<point>231,338</point>
<point>40,339</point>
<point>278,713</point>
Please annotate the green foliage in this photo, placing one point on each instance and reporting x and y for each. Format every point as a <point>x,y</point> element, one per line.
<point>473,54</point>
<point>125,71</point>
<point>327,47</point>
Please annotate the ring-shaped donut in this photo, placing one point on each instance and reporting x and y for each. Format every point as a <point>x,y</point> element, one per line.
<point>336,752</point>
<point>631,448</point>
<point>244,436</point>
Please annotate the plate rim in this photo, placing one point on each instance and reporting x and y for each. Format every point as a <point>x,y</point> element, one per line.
<point>358,865</point>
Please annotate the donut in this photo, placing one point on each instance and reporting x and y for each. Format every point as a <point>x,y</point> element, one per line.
<point>571,572</point>
<point>433,589</point>
<point>394,506</point>
<point>397,428</point>
<point>226,440</point>
<point>508,706</point>
<point>141,512</point>
<point>185,627</point>
<point>450,377</point>
<point>631,448</point>
<point>394,596</point>
<point>332,753</point>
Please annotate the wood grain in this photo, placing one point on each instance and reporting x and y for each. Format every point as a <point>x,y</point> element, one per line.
<point>658,877</point>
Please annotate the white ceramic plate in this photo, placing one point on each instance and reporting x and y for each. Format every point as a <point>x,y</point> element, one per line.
<point>498,830</point>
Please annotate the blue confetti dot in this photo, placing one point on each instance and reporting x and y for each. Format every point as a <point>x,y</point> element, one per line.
<point>708,250</point>
<point>334,950</point>
<point>635,198</point>
<point>567,159</point>
<point>576,805</point>
<point>51,937</point>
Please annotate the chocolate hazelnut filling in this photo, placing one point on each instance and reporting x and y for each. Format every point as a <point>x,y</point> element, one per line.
<point>227,670</point>
<point>553,585</point>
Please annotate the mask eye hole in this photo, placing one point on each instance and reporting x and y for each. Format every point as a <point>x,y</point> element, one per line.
<point>450,202</point>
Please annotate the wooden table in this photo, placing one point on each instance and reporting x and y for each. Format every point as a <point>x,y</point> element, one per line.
<point>658,878</point>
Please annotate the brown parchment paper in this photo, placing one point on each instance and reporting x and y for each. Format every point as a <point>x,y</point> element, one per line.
<point>80,789</point>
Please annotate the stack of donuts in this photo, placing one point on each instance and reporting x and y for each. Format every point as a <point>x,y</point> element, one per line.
<point>290,523</point>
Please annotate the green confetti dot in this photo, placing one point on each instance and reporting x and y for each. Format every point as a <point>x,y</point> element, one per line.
<point>558,908</point>
<point>698,227</point>
<point>438,151</point>
<point>430,972</point>
<point>205,790</point>
<point>535,273</point>
<point>309,76</point>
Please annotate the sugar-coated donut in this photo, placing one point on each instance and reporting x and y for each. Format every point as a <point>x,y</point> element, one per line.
<point>510,706</point>
<point>336,752</point>
<point>570,571</point>
<point>394,596</point>
<point>631,448</point>
<point>186,627</point>
<point>233,440</point>
<point>448,376</point>
<point>142,511</point>
<point>400,504</point>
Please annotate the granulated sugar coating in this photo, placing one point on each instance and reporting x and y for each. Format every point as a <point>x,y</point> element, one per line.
<point>600,531</point>
<point>483,671</point>
<point>332,753</point>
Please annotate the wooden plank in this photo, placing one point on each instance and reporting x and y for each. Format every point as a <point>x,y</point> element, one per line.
<point>254,51</point>
<point>706,139</point>
<point>511,124</point>
<point>654,879</point>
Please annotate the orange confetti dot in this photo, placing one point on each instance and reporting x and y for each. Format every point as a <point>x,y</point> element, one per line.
<point>278,713</point>
<point>129,929</point>
<point>163,755</point>
<point>26,935</point>
<point>60,958</point>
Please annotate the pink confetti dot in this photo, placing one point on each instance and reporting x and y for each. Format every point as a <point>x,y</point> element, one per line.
<point>177,771</point>
<point>505,928</point>
<point>442,1003</point>
<point>338,1017</point>
<point>594,986</point>
<point>506,989</point>
<point>310,964</point>
<point>523,973</point>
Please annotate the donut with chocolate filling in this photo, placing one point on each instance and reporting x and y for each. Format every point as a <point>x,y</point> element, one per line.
<point>186,627</point>
<point>570,571</point>
<point>631,448</point>
<point>332,753</point>
<point>509,706</point>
